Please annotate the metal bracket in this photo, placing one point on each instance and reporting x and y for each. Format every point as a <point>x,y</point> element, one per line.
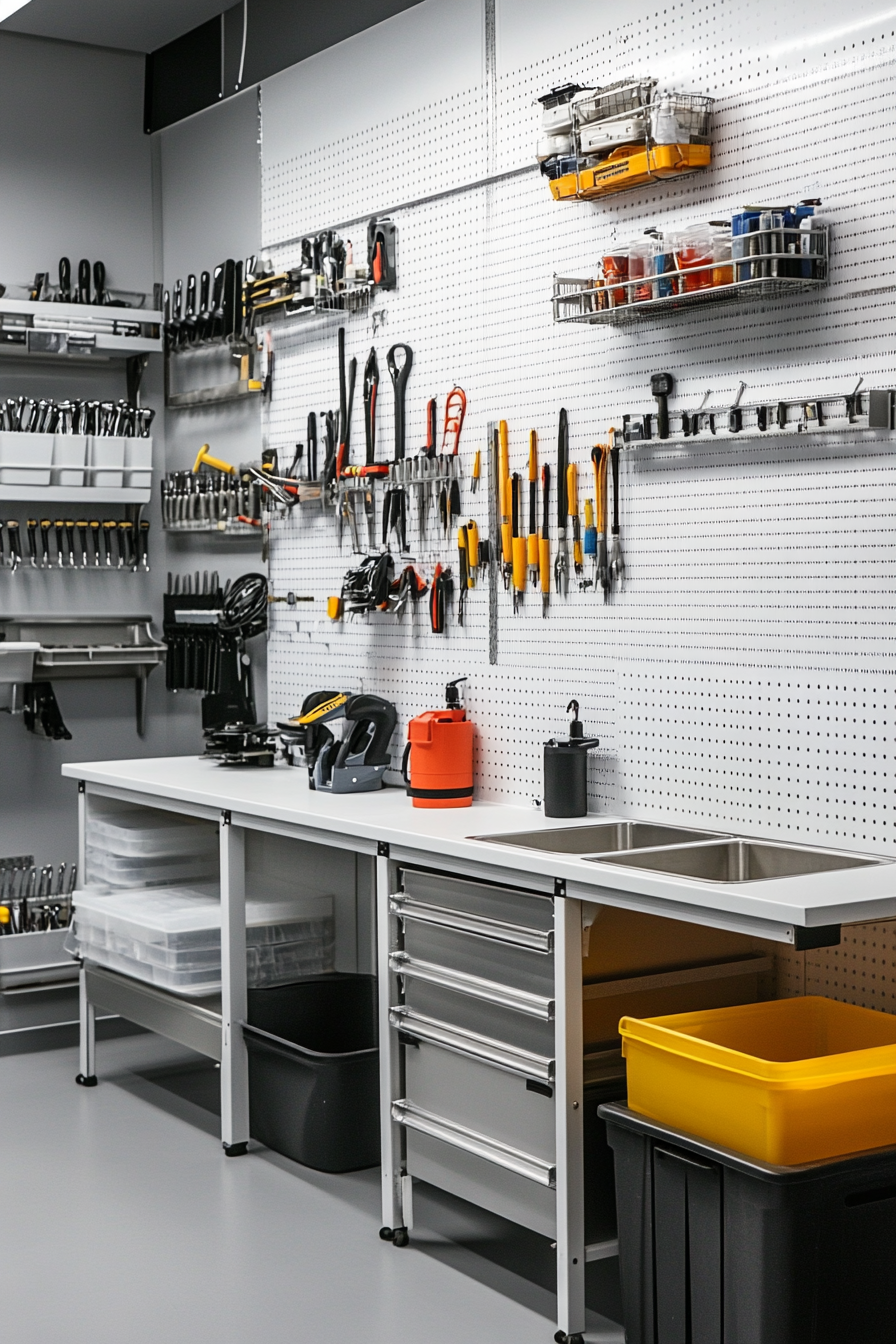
<point>382,849</point>
<point>825,935</point>
<point>225,819</point>
<point>82,786</point>
<point>559,887</point>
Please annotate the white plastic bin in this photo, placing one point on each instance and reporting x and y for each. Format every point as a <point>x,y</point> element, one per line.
<point>25,459</point>
<point>107,461</point>
<point>69,459</point>
<point>138,464</point>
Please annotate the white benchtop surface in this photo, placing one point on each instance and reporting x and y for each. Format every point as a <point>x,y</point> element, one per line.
<point>282,794</point>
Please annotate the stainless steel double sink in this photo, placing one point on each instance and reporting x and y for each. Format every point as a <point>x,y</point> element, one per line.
<point>707,856</point>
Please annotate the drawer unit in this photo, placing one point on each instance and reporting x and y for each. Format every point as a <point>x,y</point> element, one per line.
<point>471,1010</point>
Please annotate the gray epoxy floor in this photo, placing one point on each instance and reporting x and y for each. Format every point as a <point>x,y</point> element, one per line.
<point>123,1223</point>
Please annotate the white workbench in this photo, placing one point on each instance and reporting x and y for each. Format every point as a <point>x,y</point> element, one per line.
<point>386,826</point>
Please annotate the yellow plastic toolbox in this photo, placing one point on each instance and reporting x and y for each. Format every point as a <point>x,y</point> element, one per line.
<point>629,167</point>
<point>788,1081</point>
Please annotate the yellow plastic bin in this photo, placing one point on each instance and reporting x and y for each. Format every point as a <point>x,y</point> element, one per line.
<point>788,1082</point>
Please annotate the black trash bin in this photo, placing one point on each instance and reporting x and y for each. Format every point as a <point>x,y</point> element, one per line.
<point>719,1248</point>
<point>314,1071</point>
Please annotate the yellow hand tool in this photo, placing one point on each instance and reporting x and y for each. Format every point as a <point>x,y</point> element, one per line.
<point>532,539</point>
<point>205,459</point>
<point>591,541</point>
<point>544,541</point>
<point>599,463</point>
<point>572,495</point>
<point>518,544</point>
<point>504,487</point>
<point>472,552</point>
<point>477,468</point>
<point>463,572</point>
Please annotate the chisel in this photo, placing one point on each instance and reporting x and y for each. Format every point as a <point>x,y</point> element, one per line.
<point>532,539</point>
<point>504,499</point>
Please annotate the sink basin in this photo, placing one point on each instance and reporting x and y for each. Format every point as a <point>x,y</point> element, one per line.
<point>741,861</point>
<point>608,837</point>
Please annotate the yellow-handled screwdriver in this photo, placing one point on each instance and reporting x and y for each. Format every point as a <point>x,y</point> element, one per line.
<point>472,552</point>
<point>519,545</point>
<point>590,541</point>
<point>532,539</point>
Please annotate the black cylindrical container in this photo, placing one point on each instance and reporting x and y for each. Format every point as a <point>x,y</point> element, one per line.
<point>565,780</point>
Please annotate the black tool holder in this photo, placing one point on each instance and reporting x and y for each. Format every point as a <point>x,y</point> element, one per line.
<point>210,655</point>
<point>566,770</point>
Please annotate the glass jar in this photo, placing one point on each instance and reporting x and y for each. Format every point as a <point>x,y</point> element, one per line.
<point>694,252</point>
<point>640,266</point>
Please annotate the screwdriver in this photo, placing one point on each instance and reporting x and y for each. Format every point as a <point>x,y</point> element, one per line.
<point>591,540</point>
<point>532,540</point>
<point>477,469</point>
<point>95,538</point>
<point>45,525</point>
<point>472,551</point>
<point>110,529</point>
<point>59,529</point>
<point>505,502</point>
<point>15,551</point>
<point>83,531</point>
<point>544,542</point>
<point>31,525</point>
<point>572,495</point>
<point>599,463</point>
<point>463,574</point>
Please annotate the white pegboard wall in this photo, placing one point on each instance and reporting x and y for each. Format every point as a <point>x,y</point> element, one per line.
<point>748,563</point>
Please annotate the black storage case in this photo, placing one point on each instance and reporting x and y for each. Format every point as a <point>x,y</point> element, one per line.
<point>314,1071</point>
<point>718,1248</point>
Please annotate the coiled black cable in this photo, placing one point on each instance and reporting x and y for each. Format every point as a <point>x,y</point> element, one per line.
<point>244,611</point>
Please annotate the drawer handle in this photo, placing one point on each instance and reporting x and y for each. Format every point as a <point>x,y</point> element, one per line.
<point>520,1000</point>
<point>480,1145</point>
<point>480,926</point>
<point>473,1046</point>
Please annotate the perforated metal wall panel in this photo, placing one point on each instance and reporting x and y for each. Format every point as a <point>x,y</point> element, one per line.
<point>744,677</point>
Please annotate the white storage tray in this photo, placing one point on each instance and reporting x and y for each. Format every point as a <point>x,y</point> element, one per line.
<point>262,942</point>
<point>141,832</point>
<point>197,984</point>
<point>119,870</point>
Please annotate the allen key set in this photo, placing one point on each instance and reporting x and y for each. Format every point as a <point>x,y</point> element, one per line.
<point>92,545</point>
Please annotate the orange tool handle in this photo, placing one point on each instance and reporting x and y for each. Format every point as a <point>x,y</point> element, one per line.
<point>544,563</point>
<point>507,543</point>
<point>520,567</point>
<point>503,470</point>
<point>477,465</point>
<point>532,548</point>
<point>533,455</point>
<point>572,489</point>
<point>472,551</point>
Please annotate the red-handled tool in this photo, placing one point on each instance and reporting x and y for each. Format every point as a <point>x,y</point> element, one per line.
<point>371,384</point>
<point>455,410</point>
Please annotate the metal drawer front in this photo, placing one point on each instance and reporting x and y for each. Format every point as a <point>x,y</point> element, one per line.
<point>480,898</point>
<point>472,1044</point>
<point>479,926</point>
<point>480,1097</point>
<point>533,1005</point>
<point>516,967</point>
<point>479,1145</point>
<point>458,1011</point>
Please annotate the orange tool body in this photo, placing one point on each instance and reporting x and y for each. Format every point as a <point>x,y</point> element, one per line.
<point>532,539</point>
<point>455,410</point>
<point>572,494</point>
<point>518,543</point>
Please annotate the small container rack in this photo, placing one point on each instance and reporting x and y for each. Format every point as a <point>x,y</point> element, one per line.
<point>776,267</point>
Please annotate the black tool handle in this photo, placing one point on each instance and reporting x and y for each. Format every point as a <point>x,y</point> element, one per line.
<point>347,428</point>
<point>662,416</point>
<point>614,460</point>
<point>84,281</point>
<point>65,280</point>
<point>312,446</point>
<point>515,504</point>
<point>533,507</point>
<point>399,376</point>
<point>99,283</point>
<point>343,411</point>
<point>562,464</point>
<point>545,501</point>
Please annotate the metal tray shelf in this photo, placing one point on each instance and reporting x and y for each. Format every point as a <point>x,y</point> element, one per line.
<point>242,390</point>
<point>77,331</point>
<point>575,301</point>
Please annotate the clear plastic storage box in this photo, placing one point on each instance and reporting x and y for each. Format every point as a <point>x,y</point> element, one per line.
<point>141,832</point>
<point>171,936</point>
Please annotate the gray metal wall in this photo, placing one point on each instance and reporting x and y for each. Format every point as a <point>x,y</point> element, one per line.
<point>78,177</point>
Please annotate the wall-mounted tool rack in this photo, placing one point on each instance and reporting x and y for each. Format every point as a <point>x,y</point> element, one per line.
<point>77,330</point>
<point>647,297</point>
<point>825,413</point>
<point>243,388</point>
